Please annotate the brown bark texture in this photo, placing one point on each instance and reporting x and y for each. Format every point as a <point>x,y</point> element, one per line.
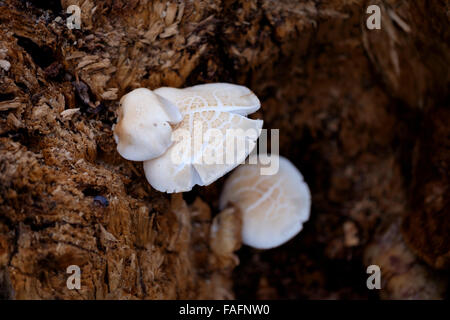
<point>364,114</point>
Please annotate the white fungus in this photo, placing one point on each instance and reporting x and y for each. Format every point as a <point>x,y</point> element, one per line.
<point>219,106</point>
<point>5,64</point>
<point>143,130</point>
<point>274,207</point>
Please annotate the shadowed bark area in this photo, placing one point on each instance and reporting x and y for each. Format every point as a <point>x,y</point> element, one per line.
<point>362,113</point>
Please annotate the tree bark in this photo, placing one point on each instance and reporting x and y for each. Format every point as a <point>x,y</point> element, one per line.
<point>351,104</point>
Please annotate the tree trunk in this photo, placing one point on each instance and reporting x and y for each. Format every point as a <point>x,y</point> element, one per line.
<point>356,109</point>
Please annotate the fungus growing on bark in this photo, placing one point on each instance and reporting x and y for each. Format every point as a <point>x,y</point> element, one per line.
<point>212,138</point>
<point>274,207</point>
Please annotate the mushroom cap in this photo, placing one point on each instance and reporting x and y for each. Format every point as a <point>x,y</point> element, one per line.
<point>143,130</point>
<point>220,96</point>
<point>218,106</point>
<point>274,207</point>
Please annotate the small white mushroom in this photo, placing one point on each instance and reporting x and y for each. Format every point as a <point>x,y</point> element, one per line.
<point>274,207</point>
<point>143,130</point>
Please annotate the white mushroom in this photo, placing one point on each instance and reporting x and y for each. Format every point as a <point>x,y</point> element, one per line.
<point>143,130</point>
<point>219,108</point>
<point>274,207</point>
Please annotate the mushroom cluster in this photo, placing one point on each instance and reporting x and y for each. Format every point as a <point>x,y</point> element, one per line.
<point>159,126</point>
<point>155,126</point>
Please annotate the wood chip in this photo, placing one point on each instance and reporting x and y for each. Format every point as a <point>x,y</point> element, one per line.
<point>67,114</point>
<point>11,104</point>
